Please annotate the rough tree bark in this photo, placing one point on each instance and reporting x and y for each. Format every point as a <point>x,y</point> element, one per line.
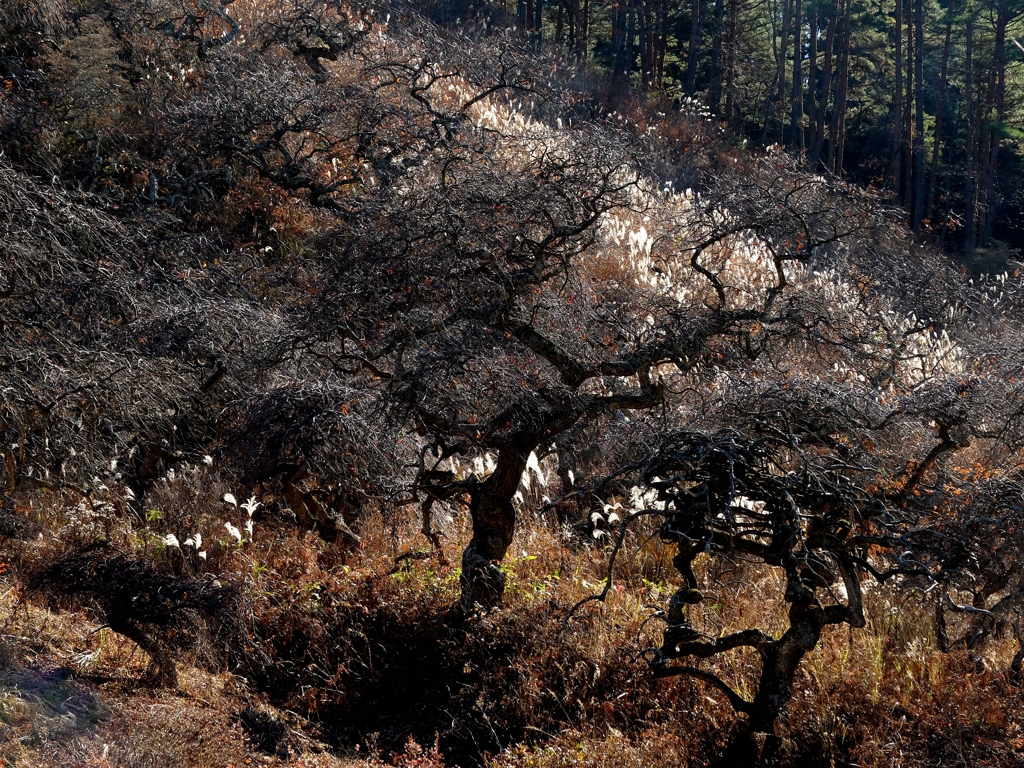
<point>972,132</point>
<point>730,69</point>
<point>812,78</point>
<point>697,13</point>
<point>779,99</point>
<point>821,110</point>
<point>897,107</point>
<point>918,214</point>
<point>717,57</point>
<point>494,521</point>
<point>991,171</point>
<point>940,114</point>
<point>837,129</point>
<point>797,98</point>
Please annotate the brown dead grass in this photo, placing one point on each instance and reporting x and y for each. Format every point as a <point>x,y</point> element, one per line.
<point>348,660</point>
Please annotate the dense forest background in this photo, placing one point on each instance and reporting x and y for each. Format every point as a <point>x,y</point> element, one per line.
<point>919,99</point>
<point>459,383</point>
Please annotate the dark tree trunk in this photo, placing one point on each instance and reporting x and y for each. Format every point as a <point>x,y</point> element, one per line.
<point>812,76</point>
<point>941,629</point>
<point>162,670</point>
<point>646,35</point>
<point>986,135</point>
<point>310,513</point>
<point>778,104</point>
<point>918,115</point>
<point>940,114</point>
<point>897,108</point>
<point>821,111</point>
<point>629,52</point>
<point>797,98</point>
<point>991,194</point>
<point>972,130</point>
<point>574,23</point>
<point>908,123</point>
<point>494,521</point>
<point>730,78</point>
<point>837,131</point>
<point>696,40</point>
<point>780,660</point>
<point>621,17</point>
<point>717,57</point>
<point>1018,657</point>
<point>583,33</point>
<point>661,43</point>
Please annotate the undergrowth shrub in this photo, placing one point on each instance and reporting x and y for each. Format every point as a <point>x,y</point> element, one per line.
<point>366,654</point>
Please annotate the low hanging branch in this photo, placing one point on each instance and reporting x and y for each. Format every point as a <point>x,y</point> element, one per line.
<point>763,498</point>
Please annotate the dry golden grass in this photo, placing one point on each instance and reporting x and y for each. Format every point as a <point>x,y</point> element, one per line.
<point>365,659</point>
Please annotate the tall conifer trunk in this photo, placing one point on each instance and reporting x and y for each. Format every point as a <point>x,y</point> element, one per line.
<point>972,131</point>
<point>696,40</point>
<point>797,98</point>
<point>812,76</point>
<point>778,105</point>
<point>730,78</point>
<point>991,191</point>
<point>906,195</point>
<point>940,115</point>
<point>897,108</point>
<point>821,110</point>
<point>837,137</point>
<point>918,115</point>
<point>717,57</point>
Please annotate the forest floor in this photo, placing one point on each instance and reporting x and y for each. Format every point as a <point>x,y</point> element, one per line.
<point>525,685</point>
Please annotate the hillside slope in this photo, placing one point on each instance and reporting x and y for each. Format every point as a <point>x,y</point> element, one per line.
<point>367,394</point>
